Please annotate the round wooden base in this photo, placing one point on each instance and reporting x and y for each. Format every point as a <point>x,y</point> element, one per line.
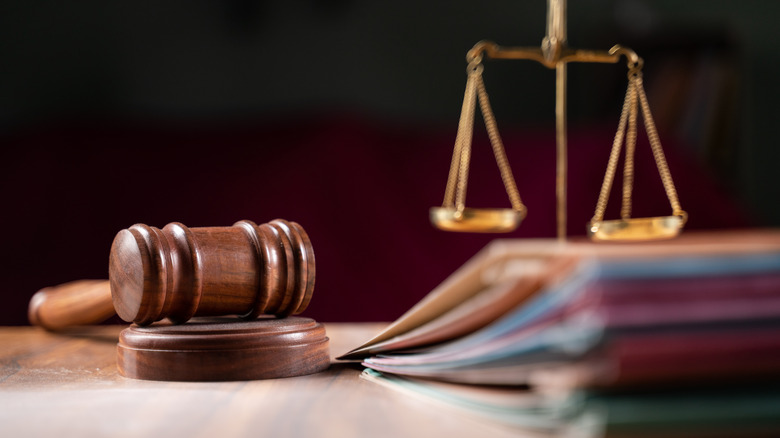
<point>219,349</point>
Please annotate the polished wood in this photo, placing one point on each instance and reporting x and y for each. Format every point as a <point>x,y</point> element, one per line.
<point>219,349</point>
<point>68,386</point>
<point>81,302</point>
<point>179,272</point>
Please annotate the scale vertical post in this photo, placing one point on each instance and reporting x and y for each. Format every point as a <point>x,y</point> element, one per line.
<point>552,46</point>
<point>561,168</point>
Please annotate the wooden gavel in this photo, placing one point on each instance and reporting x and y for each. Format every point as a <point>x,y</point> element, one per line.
<point>178,272</point>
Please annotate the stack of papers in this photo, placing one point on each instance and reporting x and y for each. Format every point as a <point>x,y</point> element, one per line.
<point>671,338</point>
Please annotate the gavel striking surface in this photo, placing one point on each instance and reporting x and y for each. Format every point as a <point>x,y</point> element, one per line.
<point>222,349</point>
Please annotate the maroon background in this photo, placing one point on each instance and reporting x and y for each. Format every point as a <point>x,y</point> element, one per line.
<point>341,115</point>
<point>360,187</point>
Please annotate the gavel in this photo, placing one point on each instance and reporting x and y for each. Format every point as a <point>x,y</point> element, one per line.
<point>178,272</point>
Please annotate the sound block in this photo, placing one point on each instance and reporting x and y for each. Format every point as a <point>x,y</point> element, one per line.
<point>220,349</point>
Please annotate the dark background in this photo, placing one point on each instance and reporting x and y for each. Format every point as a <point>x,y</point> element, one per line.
<point>341,115</point>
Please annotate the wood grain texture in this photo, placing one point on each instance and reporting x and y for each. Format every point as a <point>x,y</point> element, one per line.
<point>81,302</point>
<point>178,272</point>
<point>221,349</point>
<point>68,386</point>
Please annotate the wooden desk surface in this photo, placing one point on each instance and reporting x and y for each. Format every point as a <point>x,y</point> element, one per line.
<point>68,386</point>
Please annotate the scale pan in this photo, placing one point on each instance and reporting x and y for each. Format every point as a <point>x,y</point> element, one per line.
<point>476,220</point>
<point>645,228</point>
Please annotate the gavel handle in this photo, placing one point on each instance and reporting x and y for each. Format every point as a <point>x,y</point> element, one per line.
<point>81,302</point>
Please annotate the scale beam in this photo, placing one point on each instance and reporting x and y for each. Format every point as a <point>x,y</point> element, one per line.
<point>554,54</point>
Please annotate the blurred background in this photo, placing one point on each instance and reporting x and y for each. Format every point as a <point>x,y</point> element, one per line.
<point>341,115</point>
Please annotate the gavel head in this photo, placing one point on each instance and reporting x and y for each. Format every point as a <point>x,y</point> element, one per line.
<point>178,272</point>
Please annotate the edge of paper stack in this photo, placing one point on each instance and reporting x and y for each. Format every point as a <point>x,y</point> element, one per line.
<point>670,338</point>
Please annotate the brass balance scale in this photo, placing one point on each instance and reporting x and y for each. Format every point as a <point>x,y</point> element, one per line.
<point>453,215</point>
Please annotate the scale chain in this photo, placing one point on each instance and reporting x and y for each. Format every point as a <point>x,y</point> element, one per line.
<point>658,153</point>
<point>614,156</point>
<point>457,181</point>
<point>462,141</point>
<point>498,147</point>
<point>628,170</point>
<point>635,97</point>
